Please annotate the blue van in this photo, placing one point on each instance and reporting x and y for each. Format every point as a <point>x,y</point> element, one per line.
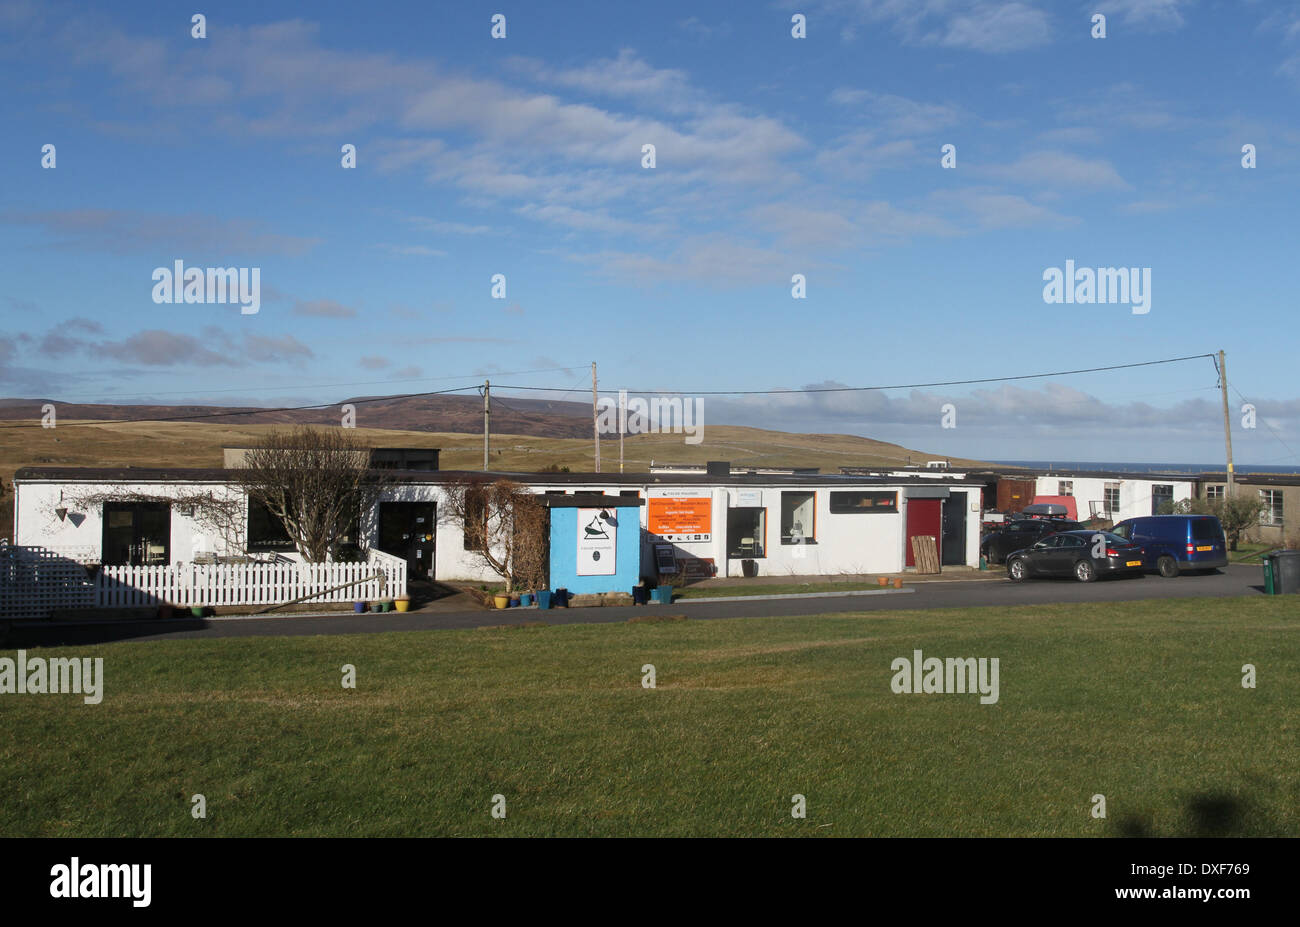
<point>1172,544</point>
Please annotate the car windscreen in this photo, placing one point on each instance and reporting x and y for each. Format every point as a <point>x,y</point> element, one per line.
<point>1206,529</point>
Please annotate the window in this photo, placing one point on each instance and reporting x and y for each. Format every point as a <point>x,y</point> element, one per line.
<point>266,532</point>
<point>136,533</point>
<point>630,493</point>
<point>798,518</point>
<point>475,526</point>
<point>1215,492</point>
<point>1272,514</point>
<point>1065,487</point>
<point>843,503</point>
<point>746,533</point>
<point>1161,494</point>
<point>1110,499</point>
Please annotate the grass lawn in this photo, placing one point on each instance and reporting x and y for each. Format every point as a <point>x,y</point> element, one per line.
<point>1141,702</point>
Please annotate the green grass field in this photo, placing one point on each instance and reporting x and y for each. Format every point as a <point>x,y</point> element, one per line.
<point>1142,703</point>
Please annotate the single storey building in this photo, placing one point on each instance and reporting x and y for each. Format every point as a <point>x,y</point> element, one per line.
<point>710,523</point>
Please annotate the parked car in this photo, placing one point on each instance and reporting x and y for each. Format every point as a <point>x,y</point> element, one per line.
<point>1174,544</point>
<point>1017,535</point>
<point>1085,554</point>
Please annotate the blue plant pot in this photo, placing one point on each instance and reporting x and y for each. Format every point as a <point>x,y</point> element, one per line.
<point>526,599</point>
<point>544,599</point>
<point>358,607</point>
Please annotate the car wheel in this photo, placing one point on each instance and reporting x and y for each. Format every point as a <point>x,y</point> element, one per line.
<point>1167,566</point>
<point>1084,571</point>
<point>1017,571</point>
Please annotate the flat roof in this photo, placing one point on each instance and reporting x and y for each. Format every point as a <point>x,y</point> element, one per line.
<point>223,475</point>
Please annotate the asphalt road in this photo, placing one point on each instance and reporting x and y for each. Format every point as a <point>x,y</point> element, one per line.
<point>1233,581</point>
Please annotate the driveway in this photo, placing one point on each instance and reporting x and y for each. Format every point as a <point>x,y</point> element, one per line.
<point>1236,580</point>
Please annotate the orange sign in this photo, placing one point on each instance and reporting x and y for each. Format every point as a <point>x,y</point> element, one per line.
<point>676,519</point>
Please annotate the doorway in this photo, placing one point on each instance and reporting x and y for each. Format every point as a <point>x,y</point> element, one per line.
<point>923,517</point>
<point>407,530</point>
<point>136,534</point>
<point>952,545</point>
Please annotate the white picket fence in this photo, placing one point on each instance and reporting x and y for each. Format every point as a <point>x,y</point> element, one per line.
<point>35,581</point>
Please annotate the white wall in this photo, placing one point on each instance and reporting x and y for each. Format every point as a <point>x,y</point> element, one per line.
<point>1134,494</point>
<point>81,532</point>
<point>845,543</point>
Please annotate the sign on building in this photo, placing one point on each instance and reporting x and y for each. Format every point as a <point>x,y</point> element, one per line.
<point>597,542</point>
<point>680,519</point>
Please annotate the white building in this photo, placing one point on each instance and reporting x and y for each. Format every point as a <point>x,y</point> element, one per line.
<point>717,523</point>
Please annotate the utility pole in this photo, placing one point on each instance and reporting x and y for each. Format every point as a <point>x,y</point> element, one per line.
<point>595,416</point>
<point>622,422</point>
<point>1227,424</point>
<point>487,398</point>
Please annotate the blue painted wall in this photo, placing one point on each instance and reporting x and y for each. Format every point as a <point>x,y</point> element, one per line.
<point>564,552</point>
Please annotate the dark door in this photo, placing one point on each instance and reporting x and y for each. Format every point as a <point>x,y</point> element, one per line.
<point>952,547</point>
<point>923,517</point>
<point>406,530</point>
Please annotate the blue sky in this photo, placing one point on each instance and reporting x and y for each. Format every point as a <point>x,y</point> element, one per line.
<point>774,156</point>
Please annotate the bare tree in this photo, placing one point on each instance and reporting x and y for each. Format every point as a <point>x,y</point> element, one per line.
<point>317,481</point>
<point>505,527</point>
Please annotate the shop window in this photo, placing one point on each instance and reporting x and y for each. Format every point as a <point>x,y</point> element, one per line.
<point>798,518</point>
<point>844,503</point>
<point>746,533</point>
<point>266,532</point>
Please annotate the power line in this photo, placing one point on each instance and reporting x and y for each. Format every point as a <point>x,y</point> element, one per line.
<point>863,389</point>
<point>241,389</point>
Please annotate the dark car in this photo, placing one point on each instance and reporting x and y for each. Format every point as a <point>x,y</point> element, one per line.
<point>1174,544</point>
<point>1018,535</point>
<point>1085,555</point>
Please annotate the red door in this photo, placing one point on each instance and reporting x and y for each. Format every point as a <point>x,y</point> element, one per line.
<point>924,516</point>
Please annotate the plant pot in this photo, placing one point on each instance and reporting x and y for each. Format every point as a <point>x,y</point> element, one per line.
<point>525,600</point>
<point>544,599</point>
<point>883,580</point>
<point>561,598</point>
<point>664,595</point>
<point>198,611</point>
<point>898,582</point>
<point>640,595</point>
<point>501,601</point>
<point>402,604</point>
<point>514,603</point>
<point>358,607</point>
<point>164,611</point>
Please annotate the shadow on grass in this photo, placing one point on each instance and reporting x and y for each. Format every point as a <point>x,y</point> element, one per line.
<point>1208,814</point>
